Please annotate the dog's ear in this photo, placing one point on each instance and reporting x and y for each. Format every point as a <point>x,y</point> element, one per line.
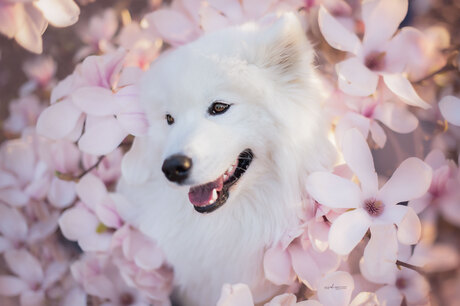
<point>283,47</point>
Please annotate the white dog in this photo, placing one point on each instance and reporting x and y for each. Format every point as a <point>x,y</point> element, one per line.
<point>235,128</point>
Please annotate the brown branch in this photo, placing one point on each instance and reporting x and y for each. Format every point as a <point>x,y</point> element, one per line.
<point>70,177</point>
<point>409,266</point>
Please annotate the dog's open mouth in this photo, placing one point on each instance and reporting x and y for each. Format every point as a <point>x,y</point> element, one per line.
<point>210,196</point>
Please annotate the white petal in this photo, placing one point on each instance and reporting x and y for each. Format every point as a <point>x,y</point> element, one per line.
<point>358,156</point>
<point>378,134</point>
<point>410,181</point>
<point>389,295</point>
<point>60,13</point>
<point>356,79</point>
<point>397,118</point>
<point>102,137</point>
<point>335,289</point>
<point>348,230</point>
<point>346,194</point>
<point>25,265</point>
<point>336,34</point>
<point>450,109</point>
<point>401,86</point>
<point>410,228</point>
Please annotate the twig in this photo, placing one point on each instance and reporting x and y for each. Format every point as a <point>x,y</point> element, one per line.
<point>409,266</point>
<point>70,177</point>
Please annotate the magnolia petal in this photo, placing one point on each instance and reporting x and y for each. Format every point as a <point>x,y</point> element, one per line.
<point>381,20</point>
<point>32,298</point>
<point>44,228</point>
<point>336,34</point>
<point>91,190</point>
<point>76,222</point>
<point>365,299</point>
<point>54,272</point>
<point>277,266</point>
<point>58,120</point>
<point>418,287</point>
<point>287,299</point>
<point>13,225</point>
<point>95,101</point>
<point>397,118</point>
<point>356,79</point>
<point>378,264</point>
<point>61,193</point>
<point>7,19</point>
<point>318,233</point>
<point>378,134</point>
<point>402,87</point>
<point>212,19</point>
<point>238,294</point>
<point>11,286</point>
<point>450,209</point>
<point>102,137</point>
<point>134,123</point>
<point>173,26</point>
<point>14,197</point>
<point>450,109</point>
<point>348,121</point>
<point>346,194</point>
<point>410,228</point>
<point>107,213</point>
<point>389,295</point>
<point>29,34</point>
<point>60,13</point>
<point>4,244</point>
<point>256,8</point>
<point>24,265</point>
<point>335,289</point>
<point>348,230</point>
<point>419,205</point>
<point>410,181</point>
<point>358,156</point>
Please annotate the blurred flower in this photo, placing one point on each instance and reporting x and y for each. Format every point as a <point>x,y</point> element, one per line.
<point>369,205</point>
<point>379,54</point>
<point>25,21</point>
<point>40,70</point>
<point>24,112</point>
<point>98,34</point>
<point>450,109</point>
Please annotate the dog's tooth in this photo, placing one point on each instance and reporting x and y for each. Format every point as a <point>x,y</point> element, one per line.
<point>214,196</point>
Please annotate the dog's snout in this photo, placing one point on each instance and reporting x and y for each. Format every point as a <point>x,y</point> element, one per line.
<point>177,167</point>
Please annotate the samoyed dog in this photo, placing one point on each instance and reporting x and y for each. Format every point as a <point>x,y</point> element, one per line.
<point>235,127</point>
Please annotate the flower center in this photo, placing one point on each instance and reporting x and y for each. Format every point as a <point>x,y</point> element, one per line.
<point>373,207</point>
<point>401,283</point>
<point>375,61</point>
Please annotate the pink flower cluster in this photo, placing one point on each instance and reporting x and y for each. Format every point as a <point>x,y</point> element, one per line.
<point>361,238</point>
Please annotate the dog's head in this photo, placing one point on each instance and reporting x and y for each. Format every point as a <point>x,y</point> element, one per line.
<point>221,108</point>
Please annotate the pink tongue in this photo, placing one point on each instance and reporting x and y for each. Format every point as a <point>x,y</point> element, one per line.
<point>201,195</point>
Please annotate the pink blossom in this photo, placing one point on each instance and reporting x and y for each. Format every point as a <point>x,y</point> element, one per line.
<point>142,264</point>
<point>25,21</point>
<point>91,222</point>
<point>369,204</point>
<point>450,109</point>
<point>31,281</point>
<point>379,54</point>
<point>109,169</point>
<point>100,277</point>
<point>40,70</point>
<point>102,97</point>
<point>98,34</point>
<point>443,194</point>
<point>24,112</point>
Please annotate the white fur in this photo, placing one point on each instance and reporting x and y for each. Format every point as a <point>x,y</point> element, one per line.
<point>266,73</point>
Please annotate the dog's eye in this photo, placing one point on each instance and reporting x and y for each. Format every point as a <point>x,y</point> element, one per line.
<point>169,119</point>
<point>218,108</point>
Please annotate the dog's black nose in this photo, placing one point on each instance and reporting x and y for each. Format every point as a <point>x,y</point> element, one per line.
<point>177,167</point>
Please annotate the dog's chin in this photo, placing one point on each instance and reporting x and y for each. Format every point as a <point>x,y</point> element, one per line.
<point>208,197</point>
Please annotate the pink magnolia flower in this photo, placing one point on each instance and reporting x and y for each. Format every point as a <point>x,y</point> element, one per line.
<point>365,113</point>
<point>368,204</point>
<point>31,281</point>
<point>109,169</point>
<point>450,109</point>
<point>16,233</point>
<point>24,112</point>
<point>98,34</point>
<point>25,21</point>
<point>100,277</point>
<point>142,264</point>
<point>297,257</point>
<point>40,70</point>
<point>101,96</point>
<point>91,222</point>
<point>443,195</point>
<point>379,54</point>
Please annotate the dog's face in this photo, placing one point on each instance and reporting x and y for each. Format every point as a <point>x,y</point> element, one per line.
<point>213,108</point>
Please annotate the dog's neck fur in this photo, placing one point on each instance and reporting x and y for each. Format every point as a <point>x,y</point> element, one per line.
<point>228,245</point>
